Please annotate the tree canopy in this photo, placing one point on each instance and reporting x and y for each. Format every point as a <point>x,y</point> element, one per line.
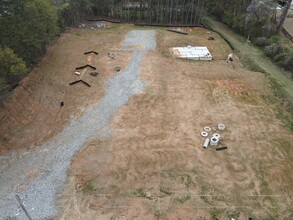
<point>12,68</point>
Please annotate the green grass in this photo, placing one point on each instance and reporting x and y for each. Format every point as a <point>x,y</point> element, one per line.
<point>183,198</point>
<point>285,118</point>
<point>250,64</point>
<point>158,214</point>
<point>186,180</point>
<point>285,114</point>
<point>89,187</point>
<point>234,214</point>
<point>216,213</point>
<point>140,192</point>
<point>78,33</point>
<point>166,192</point>
<point>205,199</point>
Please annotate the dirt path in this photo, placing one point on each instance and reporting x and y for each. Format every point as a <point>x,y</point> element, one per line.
<point>255,55</point>
<point>38,175</point>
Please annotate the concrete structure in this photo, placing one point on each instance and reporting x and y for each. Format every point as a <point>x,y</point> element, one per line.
<point>206,143</point>
<point>193,53</point>
<point>221,127</point>
<point>214,141</point>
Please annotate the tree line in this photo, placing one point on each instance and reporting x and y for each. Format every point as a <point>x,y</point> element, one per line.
<point>28,26</point>
<point>258,20</point>
<point>145,11</point>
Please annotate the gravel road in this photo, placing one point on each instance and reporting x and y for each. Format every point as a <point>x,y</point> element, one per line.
<point>54,157</point>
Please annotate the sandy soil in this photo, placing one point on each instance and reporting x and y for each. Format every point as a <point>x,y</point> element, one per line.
<point>154,167</point>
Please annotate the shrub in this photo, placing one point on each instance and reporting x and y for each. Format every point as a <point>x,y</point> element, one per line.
<point>12,67</point>
<point>218,12</point>
<point>261,41</point>
<point>279,58</point>
<point>273,49</point>
<point>285,60</point>
<point>288,62</point>
<point>268,30</point>
<point>274,39</point>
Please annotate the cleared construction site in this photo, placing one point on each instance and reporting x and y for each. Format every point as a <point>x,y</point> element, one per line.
<point>143,123</point>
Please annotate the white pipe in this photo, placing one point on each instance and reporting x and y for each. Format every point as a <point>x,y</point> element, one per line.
<point>206,143</point>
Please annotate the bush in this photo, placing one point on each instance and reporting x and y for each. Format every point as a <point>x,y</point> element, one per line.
<point>274,39</point>
<point>273,50</point>
<point>235,23</point>
<point>288,62</point>
<point>218,12</point>
<point>279,58</point>
<point>261,41</point>
<point>268,30</point>
<point>285,60</point>
<point>12,68</point>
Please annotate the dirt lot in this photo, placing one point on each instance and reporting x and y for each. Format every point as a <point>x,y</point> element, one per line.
<point>153,165</point>
<point>33,113</point>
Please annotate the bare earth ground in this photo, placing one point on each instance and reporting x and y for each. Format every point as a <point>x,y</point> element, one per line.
<point>33,113</point>
<point>154,167</point>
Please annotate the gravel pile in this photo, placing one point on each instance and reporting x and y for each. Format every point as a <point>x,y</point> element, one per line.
<point>54,157</point>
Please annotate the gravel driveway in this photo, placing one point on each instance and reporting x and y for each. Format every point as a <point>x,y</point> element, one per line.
<point>54,157</point>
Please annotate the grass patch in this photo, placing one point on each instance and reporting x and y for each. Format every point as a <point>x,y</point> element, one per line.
<point>78,33</point>
<point>140,193</point>
<point>158,214</point>
<point>166,191</point>
<point>89,187</point>
<point>183,199</point>
<point>284,113</point>
<point>235,215</point>
<point>216,213</point>
<point>285,118</point>
<point>114,26</point>
<point>250,64</point>
<point>284,146</point>
<point>205,199</point>
<point>186,180</point>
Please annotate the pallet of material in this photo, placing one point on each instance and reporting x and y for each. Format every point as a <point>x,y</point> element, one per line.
<point>178,32</point>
